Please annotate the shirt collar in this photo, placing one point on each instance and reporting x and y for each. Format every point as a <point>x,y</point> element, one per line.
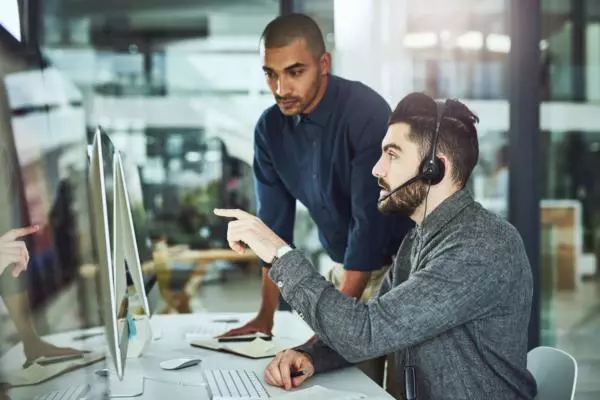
<point>446,211</point>
<point>320,115</point>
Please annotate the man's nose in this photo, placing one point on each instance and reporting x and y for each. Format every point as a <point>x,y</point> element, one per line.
<point>379,170</point>
<point>282,87</point>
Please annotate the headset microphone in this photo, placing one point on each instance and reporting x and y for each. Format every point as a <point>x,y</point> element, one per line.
<point>405,184</point>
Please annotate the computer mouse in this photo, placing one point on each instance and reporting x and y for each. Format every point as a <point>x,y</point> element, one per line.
<point>179,363</point>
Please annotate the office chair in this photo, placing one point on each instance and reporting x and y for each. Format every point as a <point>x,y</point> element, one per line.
<point>555,372</point>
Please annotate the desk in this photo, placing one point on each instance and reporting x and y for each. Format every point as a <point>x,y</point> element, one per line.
<point>160,384</point>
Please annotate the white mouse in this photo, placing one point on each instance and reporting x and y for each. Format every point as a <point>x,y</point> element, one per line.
<point>179,363</point>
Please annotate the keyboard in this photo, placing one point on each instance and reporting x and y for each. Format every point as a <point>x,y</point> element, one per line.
<point>71,393</point>
<point>229,384</point>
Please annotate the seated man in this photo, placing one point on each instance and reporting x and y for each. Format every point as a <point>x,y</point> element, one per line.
<point>454,308</point>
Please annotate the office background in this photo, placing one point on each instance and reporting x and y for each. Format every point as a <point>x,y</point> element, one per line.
<point>178,87</point>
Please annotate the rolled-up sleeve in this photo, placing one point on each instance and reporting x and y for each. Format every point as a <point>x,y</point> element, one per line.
<point>275,205</point>
<point>370,232</point>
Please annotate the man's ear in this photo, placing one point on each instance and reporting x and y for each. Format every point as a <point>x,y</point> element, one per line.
<point>446,164</point>
<point>325,63</point>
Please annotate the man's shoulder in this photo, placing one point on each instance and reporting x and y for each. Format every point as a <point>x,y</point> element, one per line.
<point>480,224</point>
<point>359,94</point>
<point>483,235</point>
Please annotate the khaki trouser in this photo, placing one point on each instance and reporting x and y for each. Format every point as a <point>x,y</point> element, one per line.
<point>374,368</point>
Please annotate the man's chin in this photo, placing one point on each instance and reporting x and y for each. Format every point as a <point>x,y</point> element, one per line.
<point>388,207</point>
<point>289,112</point>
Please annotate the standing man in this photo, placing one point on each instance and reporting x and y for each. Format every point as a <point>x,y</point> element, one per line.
<point>317,144</point>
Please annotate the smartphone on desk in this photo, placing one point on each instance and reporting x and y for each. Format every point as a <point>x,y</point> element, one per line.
<point>58,359</point>
<point>244,338</point>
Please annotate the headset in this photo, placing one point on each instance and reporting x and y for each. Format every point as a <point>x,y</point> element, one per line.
<point>432,168</point>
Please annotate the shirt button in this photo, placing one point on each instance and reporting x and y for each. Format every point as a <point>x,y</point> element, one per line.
<point>279,284</point>
<point>301,315</point>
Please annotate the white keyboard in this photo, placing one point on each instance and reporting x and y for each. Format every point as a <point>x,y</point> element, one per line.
<point>229,384</point>
<point>71,393</point>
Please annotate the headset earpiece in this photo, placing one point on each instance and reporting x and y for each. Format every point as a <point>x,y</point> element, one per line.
<point>433,171</point>
<point>432,168</point>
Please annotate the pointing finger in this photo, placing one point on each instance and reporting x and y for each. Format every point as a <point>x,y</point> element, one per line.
<point>19,232</point>
<point>230,213</point>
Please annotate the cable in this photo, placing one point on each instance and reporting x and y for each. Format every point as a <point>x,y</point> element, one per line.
<point>410,382</point>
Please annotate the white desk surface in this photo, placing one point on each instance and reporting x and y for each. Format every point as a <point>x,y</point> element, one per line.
<point>187,383</point>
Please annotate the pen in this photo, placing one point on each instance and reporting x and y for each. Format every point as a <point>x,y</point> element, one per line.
<point>296,374</point>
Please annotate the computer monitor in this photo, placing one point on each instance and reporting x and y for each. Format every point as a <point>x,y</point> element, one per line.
<point>114,300</point>
<point>10,18</point>
<point>126,249</point>
<point>124,195</point>
<point>44,181</point>
<point>43,160</point>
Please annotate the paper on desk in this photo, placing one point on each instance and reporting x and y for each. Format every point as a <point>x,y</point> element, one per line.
<point>257,348</point>
<point>320,393</point>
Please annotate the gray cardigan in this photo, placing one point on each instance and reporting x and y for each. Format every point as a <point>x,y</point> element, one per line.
<point>460,310</point>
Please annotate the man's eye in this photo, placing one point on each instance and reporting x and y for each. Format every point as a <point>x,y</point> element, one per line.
<point>296,72</point>
<point>392,156</point>
<point>269,74</point>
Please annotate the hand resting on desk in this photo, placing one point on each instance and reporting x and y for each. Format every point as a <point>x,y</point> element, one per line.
<point>256,325</point>
<point>280,369</point>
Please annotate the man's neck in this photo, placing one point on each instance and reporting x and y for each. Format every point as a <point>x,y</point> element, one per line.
<point>436,196</point>
<point>318,96</point>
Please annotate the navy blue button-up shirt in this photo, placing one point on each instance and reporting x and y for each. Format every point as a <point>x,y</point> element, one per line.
<point>324,159</point>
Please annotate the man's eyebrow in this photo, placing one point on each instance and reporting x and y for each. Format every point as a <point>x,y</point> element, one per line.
<point>295,65</point>
<point>392,146</point>
<point>288,68</point>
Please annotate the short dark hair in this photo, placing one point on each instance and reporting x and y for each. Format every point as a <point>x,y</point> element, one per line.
<point>457,138</point>
<point>284,29</point>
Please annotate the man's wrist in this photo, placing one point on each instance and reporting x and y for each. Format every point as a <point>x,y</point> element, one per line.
<point>281,251</point>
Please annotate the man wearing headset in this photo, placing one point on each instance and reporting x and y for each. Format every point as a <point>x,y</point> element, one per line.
<point>454,308</point>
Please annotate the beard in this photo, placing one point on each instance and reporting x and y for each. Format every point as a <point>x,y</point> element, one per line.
<point>406,200</point>
<point>297,105</point>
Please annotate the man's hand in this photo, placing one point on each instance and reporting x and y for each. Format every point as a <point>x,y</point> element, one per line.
<point>248,229</point>
<point>259,324</point>
<point>280,369</point>
<point>13,251</point>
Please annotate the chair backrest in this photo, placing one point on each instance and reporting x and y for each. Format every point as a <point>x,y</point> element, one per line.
<point>555,372</point>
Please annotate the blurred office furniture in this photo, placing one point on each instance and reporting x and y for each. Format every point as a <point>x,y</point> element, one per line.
<point>564,219</point>
<point>174,265</point>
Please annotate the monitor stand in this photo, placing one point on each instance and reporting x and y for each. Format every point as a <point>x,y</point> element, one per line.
<point>132,384</point>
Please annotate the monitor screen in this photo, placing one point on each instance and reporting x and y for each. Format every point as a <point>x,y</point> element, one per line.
<point>10,18</point>
<point>43,141</point>
<point>135,194</point>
